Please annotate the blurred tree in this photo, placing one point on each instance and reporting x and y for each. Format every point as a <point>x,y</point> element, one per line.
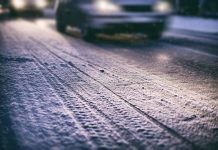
<point>209,8</point>
<point>196,7</point>
<point>188,7</point>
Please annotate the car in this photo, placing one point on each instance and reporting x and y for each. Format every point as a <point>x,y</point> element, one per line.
<point>113,16</point>
<point>22,6</point>
<point>3,7</point>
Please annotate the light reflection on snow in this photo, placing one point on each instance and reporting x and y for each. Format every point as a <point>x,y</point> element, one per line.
<point>163,57</point>
<point>41,23</point>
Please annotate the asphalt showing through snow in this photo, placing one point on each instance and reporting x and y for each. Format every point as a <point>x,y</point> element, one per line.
<point>122,92</point>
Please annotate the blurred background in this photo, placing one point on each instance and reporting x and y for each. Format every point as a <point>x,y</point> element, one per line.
<point>204,8</point>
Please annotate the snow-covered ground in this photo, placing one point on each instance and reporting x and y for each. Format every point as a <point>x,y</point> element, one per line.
<point>194,24</point>
<point>59,92</point>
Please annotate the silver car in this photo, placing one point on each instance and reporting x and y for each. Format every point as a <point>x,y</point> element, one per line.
<point>113,16</point>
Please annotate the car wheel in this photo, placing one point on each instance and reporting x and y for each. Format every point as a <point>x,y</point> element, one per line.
<point>61,27</point>
<point>88,34</point>
<point>154,35</point>
<point>13,13</point>
<point>40,14</point>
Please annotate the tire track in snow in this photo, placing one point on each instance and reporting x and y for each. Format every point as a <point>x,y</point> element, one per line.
<point>99,130</point>
<point>183,127</point>
<point>179,117</point>
<point>170,130</point>
<point>138,110</point>
<point>137,141</point>
<point>174,122</point>
<point>92,58</point>
<point>41,121</point>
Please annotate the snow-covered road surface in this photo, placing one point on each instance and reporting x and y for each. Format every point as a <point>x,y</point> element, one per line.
<point>60,92</point>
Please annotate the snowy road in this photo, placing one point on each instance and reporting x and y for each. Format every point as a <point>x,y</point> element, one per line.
<point>60,92</point>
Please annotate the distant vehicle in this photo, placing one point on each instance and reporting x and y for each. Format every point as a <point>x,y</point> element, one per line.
<point>20,6</point>
<point>113,16</point>
<point>3,7</point>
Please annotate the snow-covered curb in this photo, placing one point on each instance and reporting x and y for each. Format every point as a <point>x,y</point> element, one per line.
<point>194,24</point>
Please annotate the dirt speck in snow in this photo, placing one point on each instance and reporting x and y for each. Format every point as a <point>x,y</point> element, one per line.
<point>190,118</point>
<point>102,70</point>
<point>63,65</point>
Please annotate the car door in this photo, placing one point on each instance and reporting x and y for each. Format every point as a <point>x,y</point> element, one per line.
<point>77,15</point>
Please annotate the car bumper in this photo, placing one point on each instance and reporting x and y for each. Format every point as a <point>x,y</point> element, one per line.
<point>127,22</point>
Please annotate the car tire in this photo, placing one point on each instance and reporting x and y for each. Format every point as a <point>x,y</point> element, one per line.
<point>61,27</point>
<point>13,13</point>
<point>88,34</point>
<point>154,36</point>
<point>40,14</point>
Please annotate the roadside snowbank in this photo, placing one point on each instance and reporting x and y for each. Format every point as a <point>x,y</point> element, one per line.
<point>194,24</point>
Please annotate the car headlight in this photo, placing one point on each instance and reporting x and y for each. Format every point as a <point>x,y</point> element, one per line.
<point>41,3</point>
<point>106,6</point>
<point>163,7</point>
<point>19,4</point>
